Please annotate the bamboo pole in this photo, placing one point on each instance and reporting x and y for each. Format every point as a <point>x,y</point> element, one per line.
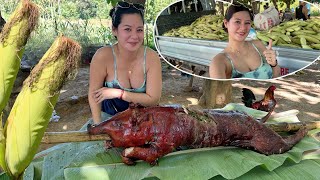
<point>71,136</point>
<point>289,127</point>
<point>83,136</point>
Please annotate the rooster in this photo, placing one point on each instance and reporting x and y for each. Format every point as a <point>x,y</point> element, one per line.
<point>266,104</point>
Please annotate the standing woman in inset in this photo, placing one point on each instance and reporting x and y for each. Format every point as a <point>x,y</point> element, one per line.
<point>126,71</point>
<point>243,59</point>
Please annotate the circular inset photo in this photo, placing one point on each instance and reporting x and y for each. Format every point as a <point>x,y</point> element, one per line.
<point>243,39</point>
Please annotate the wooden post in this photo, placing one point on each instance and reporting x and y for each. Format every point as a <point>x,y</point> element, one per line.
<point>216,94</point>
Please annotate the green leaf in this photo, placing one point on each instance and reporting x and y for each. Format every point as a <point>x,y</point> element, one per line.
<point>34,170</point>
<point>307,169</point>
<point>55,162</point>
<point>4,176</point>
<point>205,163</point>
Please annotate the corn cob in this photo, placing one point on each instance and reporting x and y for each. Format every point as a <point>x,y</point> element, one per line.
<point>303,41</point>
<point>13,38</point>
<point>33,107</point>
<point>310,38</point>
<point>2,146</point>
<point>262,37</point>
<point>316,46</point>
<point>305,46</point>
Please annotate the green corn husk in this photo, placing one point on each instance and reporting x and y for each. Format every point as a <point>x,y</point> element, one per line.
<point>13,38</point>
<point>33,107</point>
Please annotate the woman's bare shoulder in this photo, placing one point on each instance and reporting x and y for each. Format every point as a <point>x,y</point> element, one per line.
<point>102,55</point>
<point>258,44</point>
<point>153,54</point>
<point>218,66</point>
<point>219,59</point>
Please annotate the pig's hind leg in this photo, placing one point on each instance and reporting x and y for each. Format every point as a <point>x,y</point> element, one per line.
<point>295,138</point>
<point>272,143</point>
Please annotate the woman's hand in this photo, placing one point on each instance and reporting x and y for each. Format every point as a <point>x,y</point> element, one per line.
<point>106,93</point>
<point>271,55</point>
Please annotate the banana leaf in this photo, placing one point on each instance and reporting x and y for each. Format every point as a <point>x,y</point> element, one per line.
<point>205,163</point>
<point>306,169</point>
<point>286,116</point>
<point>90,160</point>
<point>34,170</point>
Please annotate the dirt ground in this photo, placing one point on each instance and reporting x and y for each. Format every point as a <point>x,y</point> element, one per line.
<point>299,91</point>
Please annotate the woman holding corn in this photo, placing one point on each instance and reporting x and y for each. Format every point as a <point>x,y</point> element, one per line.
<point>243,59</point>
<point>126,71</point>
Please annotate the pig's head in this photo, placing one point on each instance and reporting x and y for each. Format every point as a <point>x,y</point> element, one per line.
<point>134,126</point>
<point>116,125</point>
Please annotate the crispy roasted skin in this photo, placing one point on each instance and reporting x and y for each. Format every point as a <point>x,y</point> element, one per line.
<point>150,133</point>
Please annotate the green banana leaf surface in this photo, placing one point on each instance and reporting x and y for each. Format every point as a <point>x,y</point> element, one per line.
<point>90,160</point>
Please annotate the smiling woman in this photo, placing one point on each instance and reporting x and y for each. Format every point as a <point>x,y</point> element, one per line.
<point>243,59</point>
<point>126,71</point>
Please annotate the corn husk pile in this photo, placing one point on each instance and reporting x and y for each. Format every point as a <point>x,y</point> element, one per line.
<point>295,34</point>
<point>205,27</point>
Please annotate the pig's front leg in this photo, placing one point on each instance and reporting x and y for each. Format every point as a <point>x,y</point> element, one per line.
<point>148,154</point>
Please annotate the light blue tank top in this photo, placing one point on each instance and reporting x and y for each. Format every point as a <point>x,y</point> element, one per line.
<point>264,71</point>
<point>115,83</point>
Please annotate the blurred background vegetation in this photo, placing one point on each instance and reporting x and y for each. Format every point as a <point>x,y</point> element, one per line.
<point>86,21</point>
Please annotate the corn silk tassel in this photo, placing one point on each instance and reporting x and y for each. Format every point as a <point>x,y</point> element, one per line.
<point>13,38</point>
<point>34,105</point>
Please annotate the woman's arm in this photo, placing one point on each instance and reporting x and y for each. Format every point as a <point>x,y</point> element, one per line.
<point>153,83</point>
<point>217,68</point>
<point>98,73</point>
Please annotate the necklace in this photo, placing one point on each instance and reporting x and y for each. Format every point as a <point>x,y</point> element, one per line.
<point>236,50</point>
